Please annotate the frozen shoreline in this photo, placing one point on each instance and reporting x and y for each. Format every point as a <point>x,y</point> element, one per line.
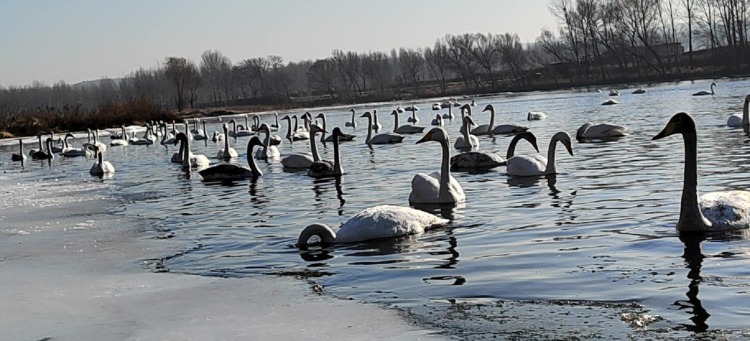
<point>70,270</point>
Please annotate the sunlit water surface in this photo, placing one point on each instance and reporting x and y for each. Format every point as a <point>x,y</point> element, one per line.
<point>519,254</point>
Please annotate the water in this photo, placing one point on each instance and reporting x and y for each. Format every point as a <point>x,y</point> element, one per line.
<point>592,251</point>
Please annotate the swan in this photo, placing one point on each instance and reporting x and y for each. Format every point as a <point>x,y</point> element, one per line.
<point>329,138</point>
<point>230,172</point>
<point>101,167</point>
<point>449,115</point>
<point>227,152</point>
<point>468,140</point>
<point>42,154</point>
<point>436,106</point>
<point>217,137</point>
<point>167,138</point>
<point>601,131</point>
<point>715,211</point>
<point>189,160</point>
<point>148,138</point>
<point>352,123</point>
<point>299,132</point>
<point>20,156</point>
<point>384,138</point>
<point>413,119</point>
<point>375,125</point>
<point>503,128</point>
<point>56,149</point>
<point>95,142</point>
<point>41,145</point>
<point>73,152</point>
<point>326,169</point>
<point>482,160</point>
<point>238,132</point>
<point>706,93</point>
<point>536,116</point>
<point>483,129</point>
<point>122,141</point>
<point>437,188</point>
<point>614,93</point>
<point>275,139</point>
<point>399,109</point>
<point>639,91</point>
<point>275,126</point>
<point>384,221</point>
<point>610,101</point>
<point>536,165</point>
<point>196,130</point>
<point>437,121</point>
<point>304,160</point>
<point>737,120</point>
<point>268,151</point>
<point>404,129</point>
<point>201,134</point>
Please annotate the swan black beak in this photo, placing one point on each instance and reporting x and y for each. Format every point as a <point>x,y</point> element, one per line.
<point>426,138</point>
<point>668,130</point>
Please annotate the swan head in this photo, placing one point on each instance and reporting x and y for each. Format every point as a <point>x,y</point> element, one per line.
<point>466,107</point>
<point>747,99</point>
<point>314,129</point>
<point>254,141</point>
<point>225,127</point>
<point>398,109</point>
<point>69,135</point>
<point>321,116</point>
<point>322,231</point>
<point>528,136</point>
<point>286,117</point>
<point>468,121</point>
<point>368,114</point>
<point>336,133</point>
<point>180,137</point>
<point>680,123</point>
<point>435,134</point>
<point>352,110</point>
<point>489,107</point>
<point>265,127</point>
<point>564,138</point>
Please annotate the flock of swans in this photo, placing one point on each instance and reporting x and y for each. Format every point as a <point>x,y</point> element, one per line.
<point>717,211</point>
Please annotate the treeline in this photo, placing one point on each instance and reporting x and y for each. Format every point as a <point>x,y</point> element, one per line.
<point>596,41</point>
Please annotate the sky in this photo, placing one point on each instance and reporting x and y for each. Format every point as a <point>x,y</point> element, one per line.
<point>78,40</point>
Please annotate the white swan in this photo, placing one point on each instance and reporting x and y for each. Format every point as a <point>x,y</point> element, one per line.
<point>230,172</point>
<point>268,151</point>
<point>303,160</point>
<point>377,222</point>
<point>536,116</point>
<point>20,156</point>
<point>73,152</point>
<point>467,140</point>
<point>300,133</point>
<point>122,141</point>
<point>476,160</point>
<point>167,138</point>
<point>502,128</point>
<point>413,119</point>
<point>239,132</point>
<point>384,138</point>
<point>101,167</point>
<point>715,211</point>
<point>375,124</point>
<point>227,152</point>
<point>639,91</point>
<point>217,137</point>
<point>449,115</point>
<point>148,138</point>
<point>324,168</point>
<point>740,120</point>
<point>33,151</point>
<point>351,123</point>
<point>614,93</point>
<point>437,121</point>
<point>706,93</point>
<point>189,160</point>
<point>200,134</point>
<point>329,138</point>
<point>601,131</point>
<point>93,143</point>
<point>536,165</point>
<point>610,101</point>
<point>437,188</point>
<point>404,129</point>
<point>275,126</point>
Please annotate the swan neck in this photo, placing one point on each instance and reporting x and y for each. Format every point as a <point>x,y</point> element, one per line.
<point>296,123</point>
<point>512,147</point>
<point>492,119</point>
<point>314,148</point>
<point>745,118</point>
<point>395,126</point>
<point>289,129</point>
<point>226,144</point>
<point>322,133</point>
<point>466,133</point>
<point>251,160</point>
<point>690,213</point>
<point>445,173</point>
<point>551,169</point>
<point>185,150</point>
<point>337,168</point>
<point>369,131</point>
<point>326,235</point>
<point>100,157</point>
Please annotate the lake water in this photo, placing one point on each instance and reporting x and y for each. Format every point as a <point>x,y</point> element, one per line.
<point>591,252</point>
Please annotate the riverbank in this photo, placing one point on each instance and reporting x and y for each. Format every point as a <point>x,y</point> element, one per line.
<point>72,270</point>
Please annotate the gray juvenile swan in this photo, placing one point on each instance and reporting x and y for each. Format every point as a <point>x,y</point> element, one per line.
<point>377,222</point>
<point>482,160</point>
<point>715,211</point>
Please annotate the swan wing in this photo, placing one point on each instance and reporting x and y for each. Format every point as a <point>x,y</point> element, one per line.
<point>726,210</point>
<point>297,161</point>
<point>476,160</point>
<point>605,130</point>
<point>199,161</point>
<point>509,129</point>
<point>734,120</point>
<point>425,188</point>
<point>386,138</point>
<point>386,221</point>
<point>225,171</point>
<point>483,129</point>
<point>522,165</point>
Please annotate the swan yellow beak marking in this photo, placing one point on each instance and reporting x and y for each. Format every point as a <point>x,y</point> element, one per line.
<point>668,130</point>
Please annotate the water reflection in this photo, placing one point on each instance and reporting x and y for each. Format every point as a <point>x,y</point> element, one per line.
<point>693,261</point>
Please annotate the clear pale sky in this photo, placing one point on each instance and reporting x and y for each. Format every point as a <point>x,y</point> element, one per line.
<point>77,40</point>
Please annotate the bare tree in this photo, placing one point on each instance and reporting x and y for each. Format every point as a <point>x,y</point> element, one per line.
<point>182,73</point>
<point>214,69</point>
